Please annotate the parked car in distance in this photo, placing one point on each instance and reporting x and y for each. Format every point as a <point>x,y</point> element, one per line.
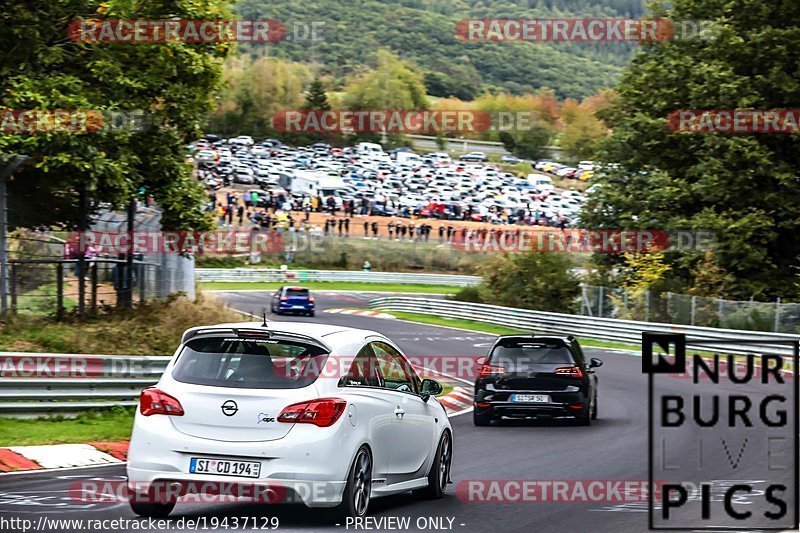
<point>477,157</point>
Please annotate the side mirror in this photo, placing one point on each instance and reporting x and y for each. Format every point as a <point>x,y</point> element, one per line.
<point>481,360</point>
<point>430,387</point>
<point>594,362</point>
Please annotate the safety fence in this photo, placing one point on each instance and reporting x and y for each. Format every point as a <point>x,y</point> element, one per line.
<point>692,310</point>
<point>610,329</point>
<point>300,276</point>
<point>35,384</point>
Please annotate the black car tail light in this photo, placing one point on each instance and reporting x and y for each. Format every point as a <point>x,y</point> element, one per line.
<point>570,372</point>
<point>489,370</point>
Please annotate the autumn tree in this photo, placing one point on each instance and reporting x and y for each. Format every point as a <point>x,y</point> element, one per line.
<point>743,187</point>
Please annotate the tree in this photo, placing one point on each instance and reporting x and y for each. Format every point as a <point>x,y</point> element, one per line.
<point>744,187</point>
<point>316,97</point>
<point>582,135</point>
<point>69,174</point>
<point>529,144</point>
<point>317,100</point>
<point>392,84</point>
<point>542,281</point>
<point>257,90</point>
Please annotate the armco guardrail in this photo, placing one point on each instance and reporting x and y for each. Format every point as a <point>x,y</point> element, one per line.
<point>628,331</point>
<point>76,382</point>
<point>300,276</point>
<point>81,382</point>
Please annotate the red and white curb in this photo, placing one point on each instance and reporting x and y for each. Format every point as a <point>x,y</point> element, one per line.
<point>457,400</point>
<point>360,312</point>
<point>62,455</point>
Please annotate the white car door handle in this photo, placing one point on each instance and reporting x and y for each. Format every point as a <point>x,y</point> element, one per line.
<point>399,412</point>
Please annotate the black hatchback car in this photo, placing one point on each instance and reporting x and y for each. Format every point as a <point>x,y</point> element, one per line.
<point>532,376</point>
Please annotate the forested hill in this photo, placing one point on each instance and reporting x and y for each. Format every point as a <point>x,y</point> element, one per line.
<point>423,31</point>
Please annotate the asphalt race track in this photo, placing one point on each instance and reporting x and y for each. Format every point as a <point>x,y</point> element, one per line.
<point>614,447</point>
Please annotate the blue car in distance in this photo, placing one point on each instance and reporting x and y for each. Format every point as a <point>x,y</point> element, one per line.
<point>296,300</point>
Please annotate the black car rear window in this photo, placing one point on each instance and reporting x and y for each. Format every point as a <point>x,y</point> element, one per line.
<point>249,363</point>
<point>518,354</point>
<point>303,293</point>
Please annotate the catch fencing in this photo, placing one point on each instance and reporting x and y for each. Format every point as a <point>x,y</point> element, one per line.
<point>47,276</point>
<point>686,309</point>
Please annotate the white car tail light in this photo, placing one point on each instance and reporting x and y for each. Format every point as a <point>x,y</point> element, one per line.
<point>323,412</point>
<point>155,402</point>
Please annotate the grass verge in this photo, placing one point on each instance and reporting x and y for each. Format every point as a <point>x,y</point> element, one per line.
<point>331,286</point>
<point>446,389</point>
<point>494,329</point>
<point>111,425</point>
<point>152,329</point>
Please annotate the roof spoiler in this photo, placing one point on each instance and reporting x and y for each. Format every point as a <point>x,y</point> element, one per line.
<point>251,332</point>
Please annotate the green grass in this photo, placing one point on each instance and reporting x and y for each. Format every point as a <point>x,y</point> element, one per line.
<point>474,325</point>
<point>93,426</point>
<point>446,389</point>
<point>494,329</point>
<point>152,329</point>
<point>330,286</point>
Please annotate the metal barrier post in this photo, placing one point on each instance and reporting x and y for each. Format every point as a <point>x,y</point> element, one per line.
<point>13,288</point>
<point>60,291</point>
<point>141,284</point>
<point>94,287</point>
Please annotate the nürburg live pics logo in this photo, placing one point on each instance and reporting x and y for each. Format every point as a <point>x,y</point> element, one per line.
<point>723,445</point>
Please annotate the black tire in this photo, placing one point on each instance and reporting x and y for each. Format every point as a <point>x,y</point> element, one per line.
<point>439,474</point>
<point>594,409</point>
<point>584,419</point>
<point>152,510</point>
<point>359,487</point>
<point>481,420</point>
<point>311,313</point>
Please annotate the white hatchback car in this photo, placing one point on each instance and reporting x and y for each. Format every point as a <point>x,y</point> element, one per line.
<point>332,416</point>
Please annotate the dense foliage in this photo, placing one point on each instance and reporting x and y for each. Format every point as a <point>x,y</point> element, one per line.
<point>170,84</point>
<point>743,187</point>
<point>542,281</point>
<point>424,32</point>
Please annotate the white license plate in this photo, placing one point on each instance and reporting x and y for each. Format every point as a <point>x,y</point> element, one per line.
<point>223,467</point>
<point>298,307</point>
<point>530,398</point>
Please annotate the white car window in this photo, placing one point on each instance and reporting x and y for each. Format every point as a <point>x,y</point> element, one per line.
<point>395,371</point>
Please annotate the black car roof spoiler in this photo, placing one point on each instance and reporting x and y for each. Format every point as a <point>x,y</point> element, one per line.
<point>567,338</point>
